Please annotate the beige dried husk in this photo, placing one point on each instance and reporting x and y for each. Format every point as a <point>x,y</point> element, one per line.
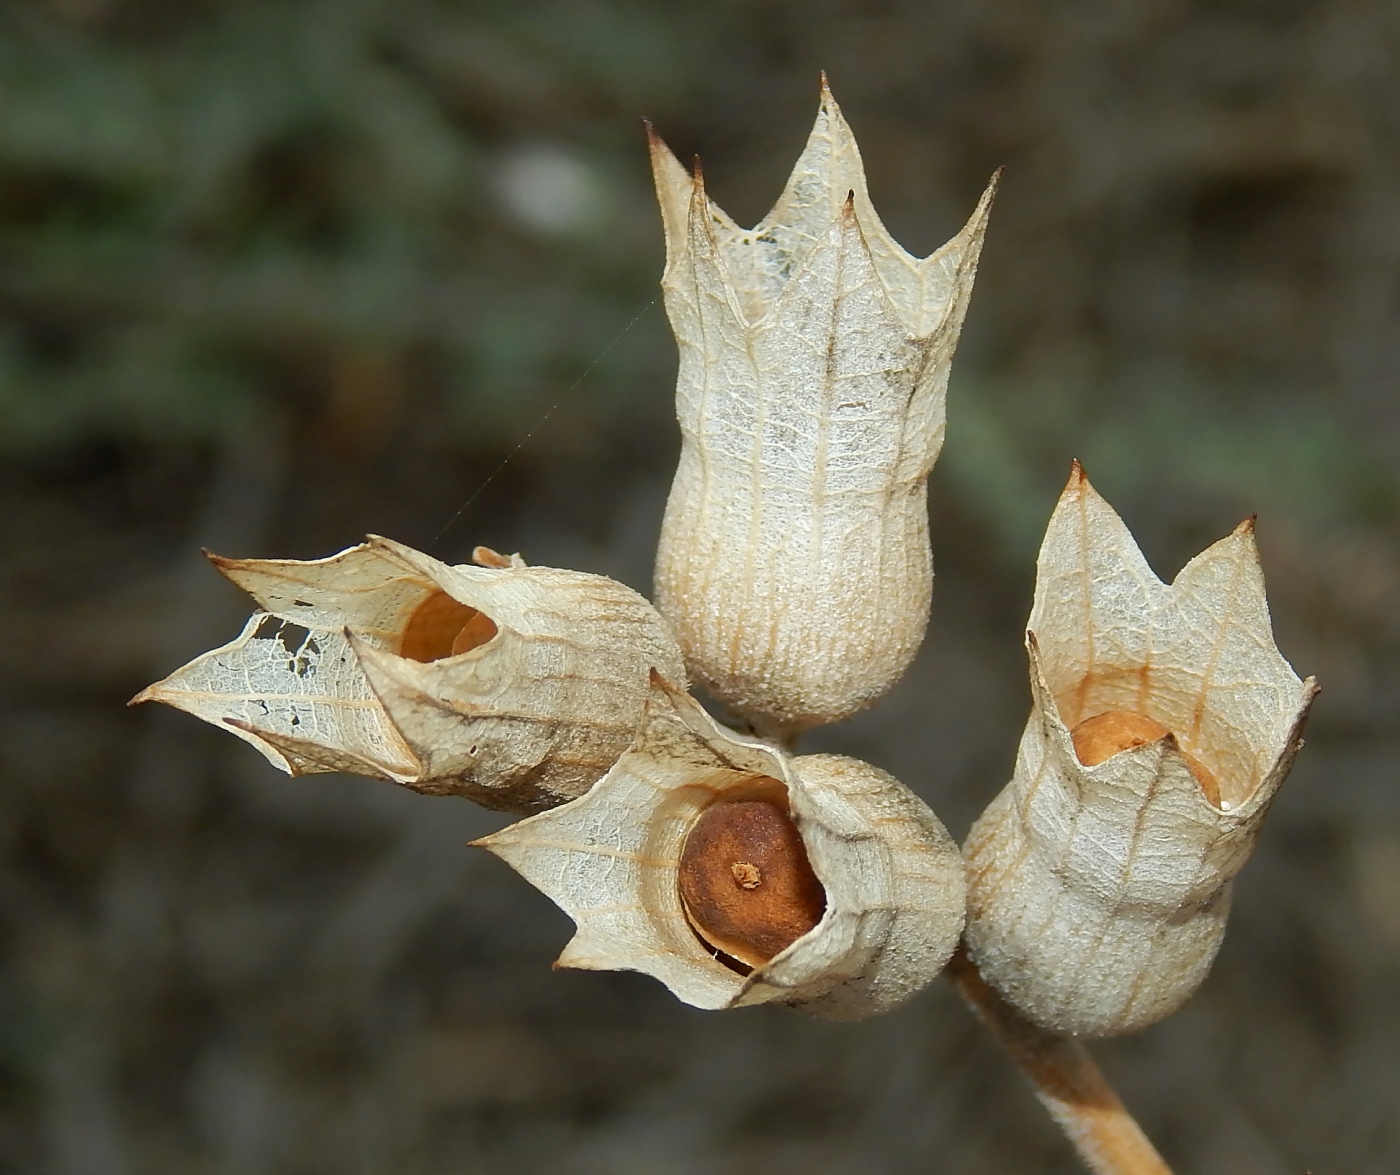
<point>1098,895</point>
<point>892,875</point>
<point>794,560</point>
<point>527,719</point>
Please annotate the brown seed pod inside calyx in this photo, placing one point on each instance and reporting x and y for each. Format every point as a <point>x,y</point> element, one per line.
<point>745,881</point>
<point>443,627</point>
<point>1103,736</point>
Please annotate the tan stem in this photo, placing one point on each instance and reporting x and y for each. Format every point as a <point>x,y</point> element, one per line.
<point>1066,1080</point>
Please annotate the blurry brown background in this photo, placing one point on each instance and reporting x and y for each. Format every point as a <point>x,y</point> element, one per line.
<point>276,275</point>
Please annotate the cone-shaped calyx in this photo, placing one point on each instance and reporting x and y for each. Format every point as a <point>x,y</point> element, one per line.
<point>794,563</point>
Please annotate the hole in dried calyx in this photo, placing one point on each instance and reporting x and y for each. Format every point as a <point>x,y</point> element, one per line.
<point>1103,736</point>
<point>443,627</point>
<point>745,881</point>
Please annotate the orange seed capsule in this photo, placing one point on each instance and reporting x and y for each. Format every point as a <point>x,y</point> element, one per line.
<point>443,627</point>
<point>745,880</point>
<point>1104,735</point>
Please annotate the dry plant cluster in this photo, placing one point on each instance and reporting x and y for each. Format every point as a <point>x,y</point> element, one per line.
<point>793,584</point>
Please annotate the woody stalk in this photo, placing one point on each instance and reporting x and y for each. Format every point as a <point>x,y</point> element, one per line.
<point>793,580</point>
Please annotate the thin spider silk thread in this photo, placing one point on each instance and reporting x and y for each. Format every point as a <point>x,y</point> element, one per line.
<point>540,422</point>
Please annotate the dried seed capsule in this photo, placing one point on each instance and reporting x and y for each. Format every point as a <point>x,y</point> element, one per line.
<point>443,627</point>
<point>1099,879</point>
<point>515,686</point>
<point>1105,735</point>
<point>746,884</point>
<point>827,884</point>
<point>794,560</point>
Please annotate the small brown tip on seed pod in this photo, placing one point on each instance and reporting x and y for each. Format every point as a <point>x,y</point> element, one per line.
<point>794,562</point>
<point>1099,879</point>
<point>738,875</point>
<point>486,557</point>
<point>515,686</point>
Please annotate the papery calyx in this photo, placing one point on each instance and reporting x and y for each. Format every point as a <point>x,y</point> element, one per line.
<point>794,562</point>
<point>735,921</point>
<point>514,686</point>
<point>1099,880</point>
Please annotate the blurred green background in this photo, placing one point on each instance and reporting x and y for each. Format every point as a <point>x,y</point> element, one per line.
<point>273,276</point>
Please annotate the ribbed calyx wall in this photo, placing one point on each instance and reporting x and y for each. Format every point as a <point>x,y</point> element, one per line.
<point>794,561</point>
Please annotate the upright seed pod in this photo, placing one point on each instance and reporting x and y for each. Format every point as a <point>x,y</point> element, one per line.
<point>1163,722</point>
<point>514,686</point>
<point>794,560</point>
<point>737,875</point>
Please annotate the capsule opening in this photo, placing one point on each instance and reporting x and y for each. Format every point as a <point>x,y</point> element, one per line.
<point>1105,735</point>
<point>443,627</point>
<point>746,884</point>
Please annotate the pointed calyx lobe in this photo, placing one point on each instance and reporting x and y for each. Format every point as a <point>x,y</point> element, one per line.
<point>1164,720</point>
<point>515,686</point>
<point>814,359</point>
